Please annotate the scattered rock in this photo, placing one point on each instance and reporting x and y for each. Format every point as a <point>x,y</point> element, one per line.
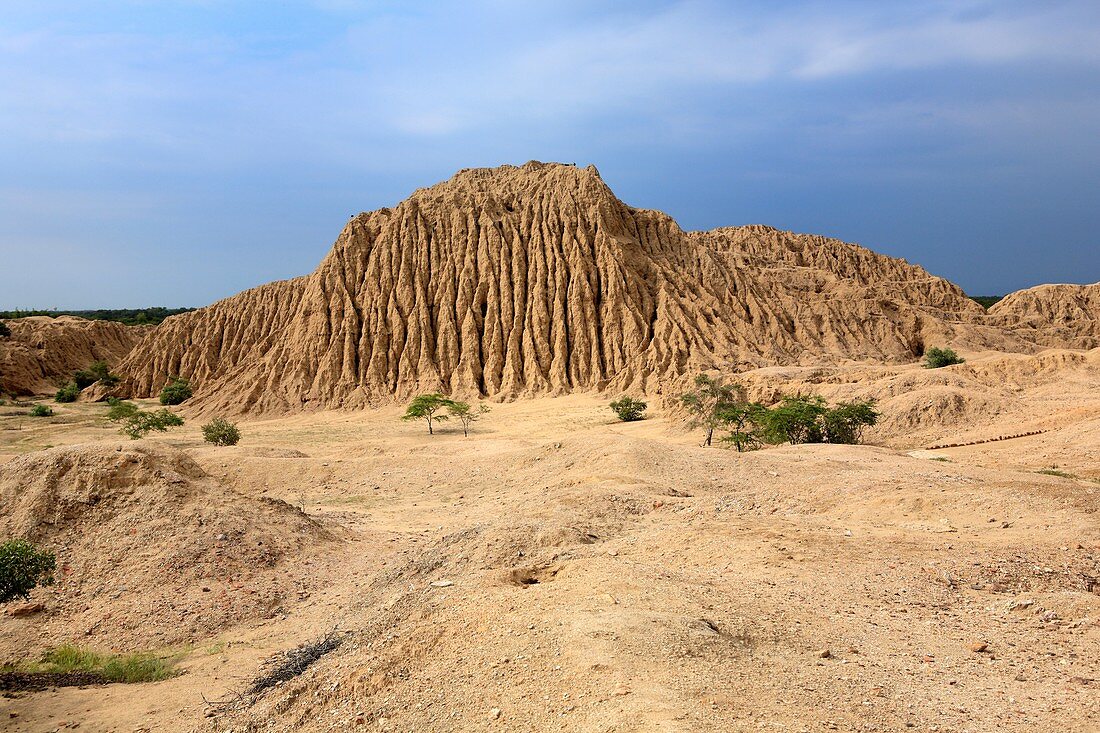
<point>26,609</point>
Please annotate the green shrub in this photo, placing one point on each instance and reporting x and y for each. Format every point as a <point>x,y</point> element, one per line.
<point>935,358</point>
<point>140,424</point>
<point>120,409</point>
<point>41,411</point>
<point>22,569</point>
<point>84,378</point>
<point>5,332</point>
<point>809,419</point>
<point>794,420</point>
<point>176,391</point>
<point>628,409</point>
<point>68,393</point>
<point>845,422</point>
<point>220,432</point>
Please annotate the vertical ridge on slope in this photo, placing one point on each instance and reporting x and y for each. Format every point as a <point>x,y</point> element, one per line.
<point>517,281</point>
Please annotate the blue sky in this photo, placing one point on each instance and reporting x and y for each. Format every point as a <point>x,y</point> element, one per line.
<point>173,152</point>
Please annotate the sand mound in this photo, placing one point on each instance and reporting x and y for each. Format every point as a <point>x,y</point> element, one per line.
<point>43,352</point>
<point>1057,314</point>
<point>151,549</point>
<point>518,281</point>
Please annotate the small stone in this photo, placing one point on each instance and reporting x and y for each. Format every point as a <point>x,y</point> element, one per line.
<point>825,653</point>
<point>979,646</point>
<point>442,584</point>
<point>621,690</point>
<point>221,537</point>
<point>494,713</point>
<point>26,609</point>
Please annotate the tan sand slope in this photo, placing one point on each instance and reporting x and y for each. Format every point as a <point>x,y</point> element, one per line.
<point>532,280</point>
<point>43,352</point>
<point>151,549</point>
<point>559,570</point>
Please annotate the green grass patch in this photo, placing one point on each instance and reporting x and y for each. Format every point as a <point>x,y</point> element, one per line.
<point>129,668</point>
<point>1055,472</point>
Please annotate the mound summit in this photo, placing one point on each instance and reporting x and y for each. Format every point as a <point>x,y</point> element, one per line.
<point>518,281</point>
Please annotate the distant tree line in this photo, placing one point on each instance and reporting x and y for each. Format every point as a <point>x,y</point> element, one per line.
<point>986,301</point>
<point>128,316</point>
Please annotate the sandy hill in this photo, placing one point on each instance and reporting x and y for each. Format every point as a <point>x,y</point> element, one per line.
<point>1054,314</point>
<point>151,549</point>
<point>43,352</point>
<point>518,281</point>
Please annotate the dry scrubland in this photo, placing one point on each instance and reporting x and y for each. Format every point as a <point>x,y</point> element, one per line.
<point>571,572</point>
<point>559,569</point>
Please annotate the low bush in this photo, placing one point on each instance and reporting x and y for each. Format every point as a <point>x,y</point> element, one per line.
<point>119,410</point>
<point>68,393</point>
<point>84,379</point>
<point>795,420</point>
<point>628,409</point>
<point>140,424</point>
<point>23,567</point>
<point>41,411</point>
<point>936,358</point>
<point>221,432</point>
<point>5,332</point>
<point>176,391</point>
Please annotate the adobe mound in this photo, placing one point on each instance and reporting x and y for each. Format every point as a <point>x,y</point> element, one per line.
<point>43,352</point>
<point>151,550</point>
<point>1058,314</point>
<point>519,281</point>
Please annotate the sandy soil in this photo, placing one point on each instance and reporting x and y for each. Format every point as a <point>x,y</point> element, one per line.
<point>558,570</point>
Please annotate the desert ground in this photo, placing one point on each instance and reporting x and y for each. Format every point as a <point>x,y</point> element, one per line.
<point>560,570</point>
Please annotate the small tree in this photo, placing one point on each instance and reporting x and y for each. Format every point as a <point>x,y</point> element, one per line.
<point>68,393</point>
<point>707,403</point>
<point>41,411</point>
<point>22,569</point>
<point>429,407</point>
<point>5,332</point>
<point>176,391</point>
<point>140,424</point>
<point>935,358</point>
<point>221,432</point>
<point>466,415</point>
<point>743,420</point>
<point>628,409</point>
